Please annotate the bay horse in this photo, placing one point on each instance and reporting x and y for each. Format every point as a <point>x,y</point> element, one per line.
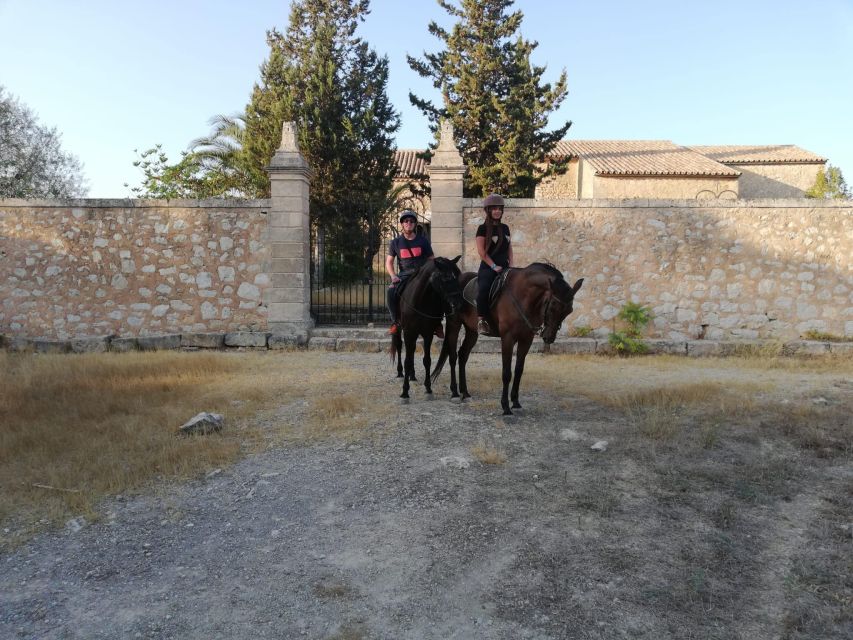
<point>535,299</point>
<point>430,294</point>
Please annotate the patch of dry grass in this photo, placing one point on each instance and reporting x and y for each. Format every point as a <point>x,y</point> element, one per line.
<point>75,428</point>
<point>488,454</point>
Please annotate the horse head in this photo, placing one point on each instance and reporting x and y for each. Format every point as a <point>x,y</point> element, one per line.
<point>558,305</point>
<point>445,282</point>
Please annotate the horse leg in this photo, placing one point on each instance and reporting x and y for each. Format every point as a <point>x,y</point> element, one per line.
<point>467,344</point>
<point>409,364</point>
<point>397,345</point>
<point>454,389</point>
<point>427,362</point>
<point>507,343</point>
<point>520,355</point>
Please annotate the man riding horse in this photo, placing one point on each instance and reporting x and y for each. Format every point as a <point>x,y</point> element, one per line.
<point>411,251</point>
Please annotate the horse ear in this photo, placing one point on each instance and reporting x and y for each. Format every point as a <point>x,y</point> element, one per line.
<point>577,285</point>
<point>456,259</point>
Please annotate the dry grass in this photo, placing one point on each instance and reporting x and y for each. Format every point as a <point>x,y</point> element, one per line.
<point>488,454</point>
<point>76,428</point>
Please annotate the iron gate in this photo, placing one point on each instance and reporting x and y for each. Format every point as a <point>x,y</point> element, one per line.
<point>348,277</point>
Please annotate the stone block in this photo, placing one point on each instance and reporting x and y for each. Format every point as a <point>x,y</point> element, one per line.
<point>575,345</point>
<point>17,345</point>
<point>246,339</point>
<point>805,348</point>
<point>841,347</point>
<point>51,346</point>
<point>159,343</point>
<point>322,344</point>
<point>287,340</point>
<point>123,345</point>
<point>673,347</point>
<point>703,348</point>
<point>91,345</point>
<point>203,340</point>
<point>358,344</point>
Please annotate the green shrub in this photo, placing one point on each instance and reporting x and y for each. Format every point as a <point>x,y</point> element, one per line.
<point>580,332</point>
<point>629,341</point>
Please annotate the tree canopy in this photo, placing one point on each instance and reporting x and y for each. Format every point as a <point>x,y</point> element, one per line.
<point>829,183</point>
<point>494,96</point>
<point>32,161</point>
<point>325,78</point>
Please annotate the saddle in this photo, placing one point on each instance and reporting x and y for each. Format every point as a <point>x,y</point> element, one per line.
<point>469,293</point>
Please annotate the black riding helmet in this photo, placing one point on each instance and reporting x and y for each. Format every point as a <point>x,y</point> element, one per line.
<point>408,213</point>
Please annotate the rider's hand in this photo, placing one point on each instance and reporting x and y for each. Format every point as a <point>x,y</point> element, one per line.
<point>498,268</point>
<point>395,279</point>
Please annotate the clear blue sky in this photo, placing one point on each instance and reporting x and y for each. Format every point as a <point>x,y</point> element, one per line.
<point>114,76</point>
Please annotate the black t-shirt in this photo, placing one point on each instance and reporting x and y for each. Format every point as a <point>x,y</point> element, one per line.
<point>500,255</point>
<point>410,254</point>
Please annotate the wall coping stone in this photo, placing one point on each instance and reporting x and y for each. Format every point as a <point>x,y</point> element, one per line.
<point>130,203</point>
<point>643,203</point>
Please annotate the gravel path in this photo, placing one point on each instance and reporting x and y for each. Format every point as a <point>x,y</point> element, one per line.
<point>403,535</point>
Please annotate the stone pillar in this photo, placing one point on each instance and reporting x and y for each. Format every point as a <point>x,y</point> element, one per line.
<point>446,171</point>
<point>290,235</point>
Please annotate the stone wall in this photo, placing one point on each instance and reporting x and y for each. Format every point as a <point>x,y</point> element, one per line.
<point>132,267</point>
<point>742,269</point>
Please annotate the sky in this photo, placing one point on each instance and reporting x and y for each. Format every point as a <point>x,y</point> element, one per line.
<point>114,76</point>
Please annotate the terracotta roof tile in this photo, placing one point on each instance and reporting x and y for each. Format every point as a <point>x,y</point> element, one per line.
<point>408,163</point>
<point>758,154</point>
<point>642,158</point>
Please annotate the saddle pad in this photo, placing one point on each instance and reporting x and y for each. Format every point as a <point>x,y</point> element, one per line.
<point>470,290</point>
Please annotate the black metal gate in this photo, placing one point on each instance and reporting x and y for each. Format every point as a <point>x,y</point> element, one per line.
<point>348,277</point>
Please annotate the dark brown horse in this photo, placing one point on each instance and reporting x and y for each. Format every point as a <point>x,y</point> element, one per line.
<point>432,293</point>
<point>535,299</point>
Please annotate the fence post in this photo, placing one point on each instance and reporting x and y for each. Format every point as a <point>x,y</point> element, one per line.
<point>446,171</point>
<point>290,235</point>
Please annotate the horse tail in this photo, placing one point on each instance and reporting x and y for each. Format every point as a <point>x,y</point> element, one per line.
<point>442,358</point>
<point>396,346</point>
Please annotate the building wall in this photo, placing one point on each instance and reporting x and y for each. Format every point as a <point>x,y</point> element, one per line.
<point>678,188</point>
<point>715,269</point>
<point>130,267</point>
<point>776,180</point>
<point>562,186</point>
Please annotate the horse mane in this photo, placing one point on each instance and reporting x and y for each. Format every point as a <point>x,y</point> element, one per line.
<point>562,288</point>
<point>548,267</point>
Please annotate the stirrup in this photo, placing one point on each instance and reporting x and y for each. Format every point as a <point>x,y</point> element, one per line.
<point>483,327</point>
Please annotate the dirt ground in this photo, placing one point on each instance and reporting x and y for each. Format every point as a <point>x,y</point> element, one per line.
<point>714,519</point>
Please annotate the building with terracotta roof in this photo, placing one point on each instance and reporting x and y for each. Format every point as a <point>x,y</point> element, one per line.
<point>661,169</point>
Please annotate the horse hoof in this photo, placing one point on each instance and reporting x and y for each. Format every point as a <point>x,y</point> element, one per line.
<point>455,399</point>
<point>404,400</point>
<point>429,396</point>
<point>507,412</point>
<point>515,405</point>
<point>399,375</point>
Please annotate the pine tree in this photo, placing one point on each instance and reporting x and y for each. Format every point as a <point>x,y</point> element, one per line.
<point>334,86</point>
<point>494,97</point>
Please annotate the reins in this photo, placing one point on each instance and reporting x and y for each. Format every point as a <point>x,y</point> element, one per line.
<point>414,308</point>
<point>536,330</point>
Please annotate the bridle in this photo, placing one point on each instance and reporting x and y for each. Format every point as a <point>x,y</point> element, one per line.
<point>537,330</point>
<point>448,308</point>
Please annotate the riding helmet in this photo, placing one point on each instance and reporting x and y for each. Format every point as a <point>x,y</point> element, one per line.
<point>408,213</point>
<point>494,200</point>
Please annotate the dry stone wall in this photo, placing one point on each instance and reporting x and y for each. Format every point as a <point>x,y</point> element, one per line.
<point>131,267</point>
<point>745,269</point>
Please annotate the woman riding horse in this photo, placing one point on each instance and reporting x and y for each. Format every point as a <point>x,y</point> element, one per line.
<point>535,299</point>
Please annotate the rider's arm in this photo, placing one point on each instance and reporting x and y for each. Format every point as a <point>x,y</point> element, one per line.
<point>389,268</point>
<point>511,261</point>
<point>481,250</point>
